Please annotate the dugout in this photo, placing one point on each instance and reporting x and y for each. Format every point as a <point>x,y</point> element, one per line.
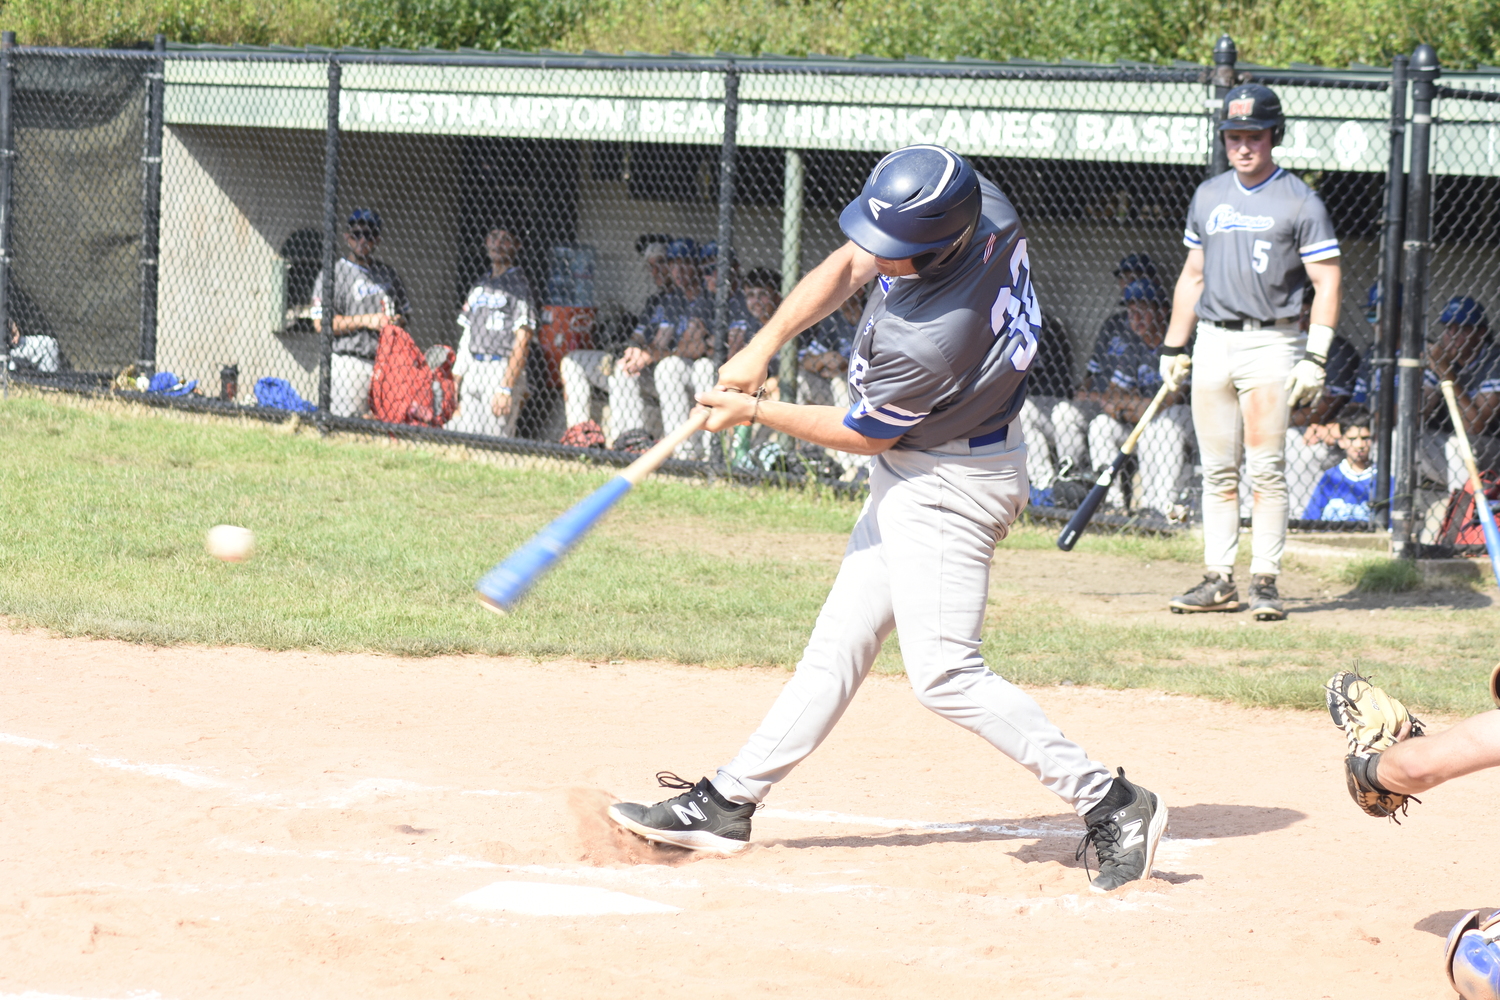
<point>598,151</point>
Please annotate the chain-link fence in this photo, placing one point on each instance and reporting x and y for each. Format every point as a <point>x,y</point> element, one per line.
<point>552,254</point>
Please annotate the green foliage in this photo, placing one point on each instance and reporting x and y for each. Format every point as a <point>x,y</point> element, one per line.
<point>452,24</point>
<point>1380,575</point>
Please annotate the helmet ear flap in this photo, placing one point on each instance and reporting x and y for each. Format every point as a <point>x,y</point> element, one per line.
<point>1278,133</point>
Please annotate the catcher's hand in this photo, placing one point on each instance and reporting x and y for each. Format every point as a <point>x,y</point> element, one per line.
<point>1372,721</point>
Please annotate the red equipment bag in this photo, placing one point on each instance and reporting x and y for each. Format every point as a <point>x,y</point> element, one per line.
<point>405,388</point>
<point>564,329</point>
<point>1461,520</point>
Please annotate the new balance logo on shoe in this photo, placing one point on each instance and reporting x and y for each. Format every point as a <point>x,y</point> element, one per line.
<point>689,813</point>
<point>1130,834</point>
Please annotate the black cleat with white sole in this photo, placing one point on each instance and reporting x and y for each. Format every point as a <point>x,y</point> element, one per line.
<point>1215,593</point>
<point>1124,837</point>
<point>700,819</point>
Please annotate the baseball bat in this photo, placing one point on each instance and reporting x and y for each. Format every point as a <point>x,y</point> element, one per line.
<point>1085,512</point>
<point>502,588</point>
<point>1481,502</point>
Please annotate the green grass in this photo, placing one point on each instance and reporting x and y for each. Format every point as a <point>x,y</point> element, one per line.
<point>1380,575</point>
<point>364,546</point>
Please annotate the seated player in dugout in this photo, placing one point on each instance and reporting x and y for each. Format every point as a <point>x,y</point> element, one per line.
<point>1465,353</point>
<point>1346,492</point>
<point>498,319</point>
<point>1256,237</point>
<point>605,368</point>
<point>1123,377</point>
<point>936,376</point>
<point>367,297</point>
<point>681,347</point>
<point>1313,439</point>
<point>1390,761</point>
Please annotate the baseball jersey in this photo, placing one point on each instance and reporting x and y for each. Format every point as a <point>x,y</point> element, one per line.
<point>1122,360</point>
<point>495,311</point>
<point>1255,242</point>
<point>1343,494</point>
<point>944,358</point>
<point>359,291</point>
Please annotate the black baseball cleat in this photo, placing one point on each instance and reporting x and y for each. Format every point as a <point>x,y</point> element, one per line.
<point>699,819</point>
<point>1265,602</point>
<point>1215,593</point>
<point>1124,836</point>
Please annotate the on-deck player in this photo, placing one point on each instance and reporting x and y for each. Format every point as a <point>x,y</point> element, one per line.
<point>937,376</point>
<point>1256,235</point>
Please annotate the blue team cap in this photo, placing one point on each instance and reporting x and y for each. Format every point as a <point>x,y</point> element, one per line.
<point>1464,311</point>
<point>365,217</point>
<point>683,249</point>
<point>1139,290</point>
<point>709,251</point>
<point>1136,263</point>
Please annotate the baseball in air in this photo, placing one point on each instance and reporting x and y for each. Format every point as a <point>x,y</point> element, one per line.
<point>230,543</point>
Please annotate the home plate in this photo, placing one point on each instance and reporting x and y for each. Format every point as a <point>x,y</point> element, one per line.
<point>545,899</point>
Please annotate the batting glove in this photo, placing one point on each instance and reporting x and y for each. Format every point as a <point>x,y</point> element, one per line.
<point>1308,375</point>
<point>1175,365</point>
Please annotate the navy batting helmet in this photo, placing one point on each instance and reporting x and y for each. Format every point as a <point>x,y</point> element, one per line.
<point>920,202</point>
<point>1472,957</point>
<point>1253,106</point>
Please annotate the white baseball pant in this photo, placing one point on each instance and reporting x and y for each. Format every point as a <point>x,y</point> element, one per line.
<point>1061,423</point>
<point>349,385</point>
<point>919,562</point>
<point>678,382</point>
<point>481,380</point>
<point>1240,413</point>
<point>627,410</point>
<point>1441,459</point>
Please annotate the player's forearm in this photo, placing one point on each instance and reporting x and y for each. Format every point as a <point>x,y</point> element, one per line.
<point>1184,309</point>
<point>820,425</point>
<point>517,359</point>
<point>817,295</point>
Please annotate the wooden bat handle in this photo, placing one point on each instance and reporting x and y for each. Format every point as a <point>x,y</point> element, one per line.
<point>1140,425</point>
<point>1463,436</point>
<point>662,450</point>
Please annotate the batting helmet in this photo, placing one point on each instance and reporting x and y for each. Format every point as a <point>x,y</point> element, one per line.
<point>920,202</point>
<point>1253,106</point>
<point>1472,957</point>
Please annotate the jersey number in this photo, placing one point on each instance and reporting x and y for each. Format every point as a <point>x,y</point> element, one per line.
<point>1015,309</point>
<point>1258,256</point>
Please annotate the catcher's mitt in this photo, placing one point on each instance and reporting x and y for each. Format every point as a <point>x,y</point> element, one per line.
<point>1372,721</point>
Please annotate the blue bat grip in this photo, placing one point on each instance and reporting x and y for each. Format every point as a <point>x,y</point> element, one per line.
<point>508,582</point>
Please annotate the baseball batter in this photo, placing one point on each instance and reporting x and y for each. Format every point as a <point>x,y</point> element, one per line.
<point>937,376</point>
<point>1256,236</point>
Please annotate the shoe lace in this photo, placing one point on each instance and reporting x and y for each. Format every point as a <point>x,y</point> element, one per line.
<point>668,779</point>
<point>1104,836</point>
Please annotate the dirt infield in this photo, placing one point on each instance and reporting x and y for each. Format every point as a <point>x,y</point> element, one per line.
<point>193,823</point>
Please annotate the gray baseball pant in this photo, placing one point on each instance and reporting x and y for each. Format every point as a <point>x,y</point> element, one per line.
<point>919,562</point>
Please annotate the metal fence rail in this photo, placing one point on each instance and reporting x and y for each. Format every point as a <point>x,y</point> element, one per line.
<point>582,239</point>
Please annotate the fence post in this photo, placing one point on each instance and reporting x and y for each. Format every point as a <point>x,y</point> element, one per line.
<point>330,233</point>
<point>794,173</point>
<point>1223,80</point>
<point>1424,70</point>
<point>1383,365</point>
<point>728,156</point>
<point>151,206</point>
<point>7,182</point>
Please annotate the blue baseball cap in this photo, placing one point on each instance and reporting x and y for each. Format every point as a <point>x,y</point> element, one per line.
<point>365,217</point>
<point>1464,311</point>
<point>1139,290</point>
<point>1136,263</point>
<point>683,249</point>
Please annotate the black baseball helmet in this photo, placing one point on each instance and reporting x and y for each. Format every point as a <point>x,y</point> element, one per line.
<point>920,202</point>
<point>1253,106</point>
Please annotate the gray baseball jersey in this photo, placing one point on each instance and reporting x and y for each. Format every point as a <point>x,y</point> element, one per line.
<point>496,309</point>
<point>359,291</point>
<point>1255,242</point>
<point>945,358</point>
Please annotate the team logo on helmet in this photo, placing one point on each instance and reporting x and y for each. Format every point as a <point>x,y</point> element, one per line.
<point>1242,107</point>
<point>876,205</point>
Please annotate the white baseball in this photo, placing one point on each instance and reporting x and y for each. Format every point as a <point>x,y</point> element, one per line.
<point>230,543</point>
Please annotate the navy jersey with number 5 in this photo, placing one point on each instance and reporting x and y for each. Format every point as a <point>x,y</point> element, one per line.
<point>946,357</point>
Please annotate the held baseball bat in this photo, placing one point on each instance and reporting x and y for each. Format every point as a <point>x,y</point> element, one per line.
<point>502,588</point>
<point>1085,512</point>
<point>1481,502</point>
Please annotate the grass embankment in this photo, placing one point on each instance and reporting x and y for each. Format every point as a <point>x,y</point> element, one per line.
<point>369,547</point>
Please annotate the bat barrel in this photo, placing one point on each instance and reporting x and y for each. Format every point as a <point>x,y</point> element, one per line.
<point>502,588</point>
